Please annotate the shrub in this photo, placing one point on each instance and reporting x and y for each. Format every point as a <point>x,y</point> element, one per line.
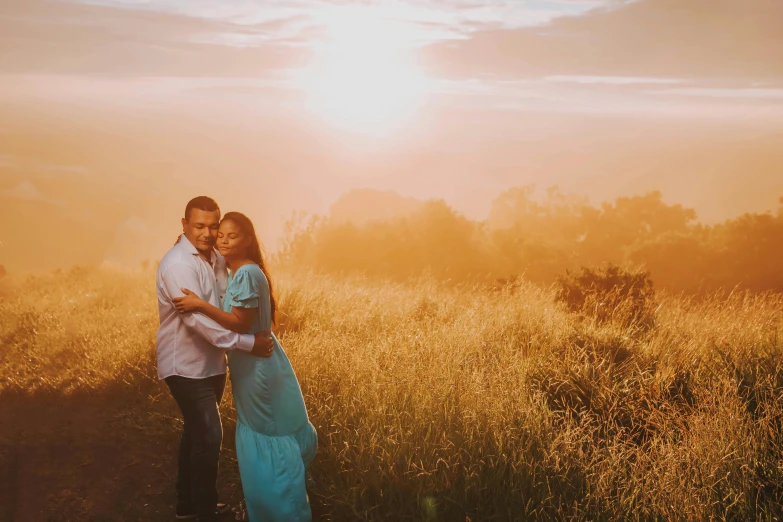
<point>610,293</point>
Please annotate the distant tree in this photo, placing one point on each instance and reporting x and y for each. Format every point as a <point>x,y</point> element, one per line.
<point>631,221</point>
<point>680,261</point>
<point>512,206</point>
<point>551,214</point>
<point>751,249</point>
<point>299,234</point>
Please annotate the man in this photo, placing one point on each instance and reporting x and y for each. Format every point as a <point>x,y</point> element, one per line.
<point>191,356</point>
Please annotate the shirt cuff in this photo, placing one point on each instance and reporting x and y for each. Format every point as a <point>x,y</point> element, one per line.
<point>246,342</point>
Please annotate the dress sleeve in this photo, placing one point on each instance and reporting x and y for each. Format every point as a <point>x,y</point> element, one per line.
<point>243,291</point>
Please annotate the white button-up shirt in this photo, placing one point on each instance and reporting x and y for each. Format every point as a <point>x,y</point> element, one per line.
<point>193,345</point>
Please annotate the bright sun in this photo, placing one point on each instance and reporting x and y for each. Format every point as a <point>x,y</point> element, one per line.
<point>362,77</point>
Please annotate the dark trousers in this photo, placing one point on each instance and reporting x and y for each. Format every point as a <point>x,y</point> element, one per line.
<point>199,449</point>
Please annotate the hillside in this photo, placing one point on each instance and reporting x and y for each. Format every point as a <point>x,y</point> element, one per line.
<point>430,403</point>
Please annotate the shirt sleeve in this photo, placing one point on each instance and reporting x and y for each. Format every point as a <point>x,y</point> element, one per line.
<point>182,276</point>
<point>243,291</point>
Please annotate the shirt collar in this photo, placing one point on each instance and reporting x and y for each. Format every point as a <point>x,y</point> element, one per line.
<point>185,243</point>
<point>190,249</point>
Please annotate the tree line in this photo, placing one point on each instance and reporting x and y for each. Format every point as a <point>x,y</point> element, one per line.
<point>540,235</point>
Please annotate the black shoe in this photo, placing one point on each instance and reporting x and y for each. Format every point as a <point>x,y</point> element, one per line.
<point>184,513</point>
<point>188,513</point>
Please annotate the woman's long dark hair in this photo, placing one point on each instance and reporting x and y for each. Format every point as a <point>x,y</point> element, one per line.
<point>253,251</point>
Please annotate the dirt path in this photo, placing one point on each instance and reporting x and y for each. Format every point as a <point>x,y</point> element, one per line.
<point>108,455</point>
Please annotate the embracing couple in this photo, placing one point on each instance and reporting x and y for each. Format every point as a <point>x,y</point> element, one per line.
<point>215,298</point>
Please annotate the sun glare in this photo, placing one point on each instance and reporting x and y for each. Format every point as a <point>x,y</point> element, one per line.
<point>362,77</point>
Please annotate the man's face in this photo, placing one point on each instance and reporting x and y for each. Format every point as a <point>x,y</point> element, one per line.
<point>201,228</point>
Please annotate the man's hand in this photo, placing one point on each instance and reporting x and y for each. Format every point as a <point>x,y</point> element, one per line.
<point>264,346</point>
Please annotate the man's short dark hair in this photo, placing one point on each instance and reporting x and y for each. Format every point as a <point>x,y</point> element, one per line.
<point>204,203</point>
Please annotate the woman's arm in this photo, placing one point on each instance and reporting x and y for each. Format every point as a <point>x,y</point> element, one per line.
<point>238,320</point>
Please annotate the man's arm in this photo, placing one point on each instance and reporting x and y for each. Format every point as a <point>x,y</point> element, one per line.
<point>183,276</point>
<point>237,320</point>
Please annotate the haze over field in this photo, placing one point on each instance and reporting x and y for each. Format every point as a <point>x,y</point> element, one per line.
<point>527,253</point>
<point>113,113</point>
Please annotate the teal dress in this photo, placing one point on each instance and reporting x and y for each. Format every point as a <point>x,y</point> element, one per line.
<point>275,440</point>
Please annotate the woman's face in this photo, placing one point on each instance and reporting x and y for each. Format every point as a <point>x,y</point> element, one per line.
<point>231,241</point>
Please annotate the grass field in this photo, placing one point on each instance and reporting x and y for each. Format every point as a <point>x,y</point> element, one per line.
<point>431,403</point>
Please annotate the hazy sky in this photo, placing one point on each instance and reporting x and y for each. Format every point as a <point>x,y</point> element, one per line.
<point>278,105</point>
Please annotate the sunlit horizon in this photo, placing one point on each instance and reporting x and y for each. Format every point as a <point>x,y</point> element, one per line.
<point>116,111</point>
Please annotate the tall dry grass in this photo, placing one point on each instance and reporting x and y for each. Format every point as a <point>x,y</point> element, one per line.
<point>456,403</point>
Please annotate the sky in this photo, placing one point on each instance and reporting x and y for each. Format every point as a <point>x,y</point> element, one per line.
<point>114,112</point>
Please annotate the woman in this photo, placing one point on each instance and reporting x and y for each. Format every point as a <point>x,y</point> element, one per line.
<point>274,438</point>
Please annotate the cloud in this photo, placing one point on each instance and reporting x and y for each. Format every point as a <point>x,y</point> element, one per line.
<point>744,94</point>
<point>124,38</point>
<point>507,13</point>
<point>716,39</point>
<point>44,37</point>
<point>579,54</point>
<point>611,80</point>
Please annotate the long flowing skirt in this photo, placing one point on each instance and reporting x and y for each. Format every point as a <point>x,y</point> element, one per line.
<point>273,472</point>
